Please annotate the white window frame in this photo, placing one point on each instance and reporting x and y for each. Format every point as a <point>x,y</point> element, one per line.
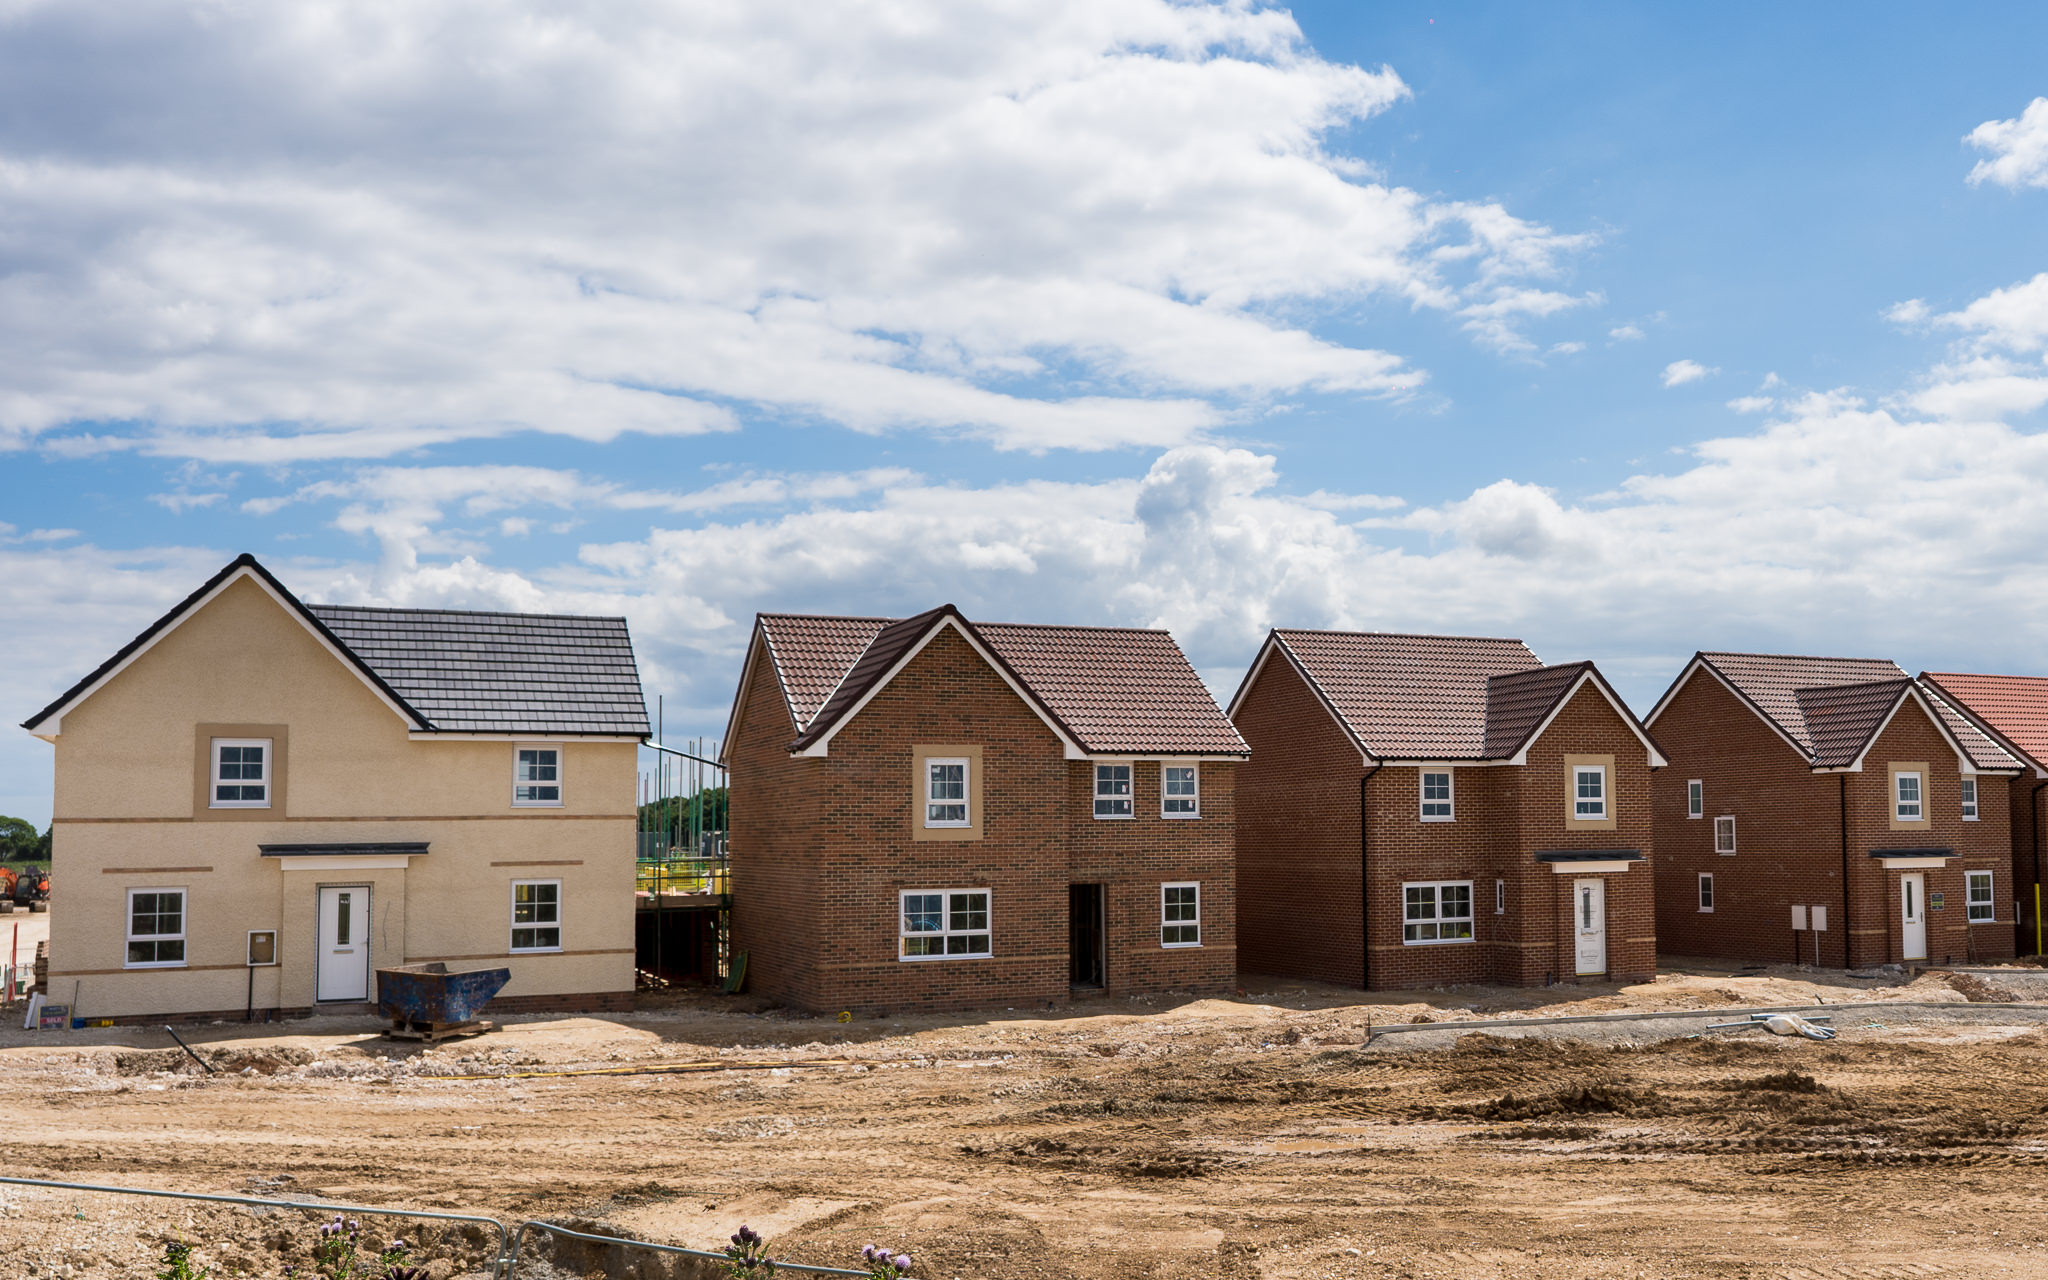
<point>130,937</point>
<point>216,782</point>
<point>1437,919</point>
<point>1582,815</point>
<point>1970,881</point>
<point>1899,801</point>
<point>536,924</point>
<point>1967,788</point>
<point>559,782</point>
<point>946,931</point>
<point>1696,798</point>
<point>965,799</point>
<point>1423,800</point>
<point>1166,922</point>
<point>1128,799</point>
<point>1727,850</point>
<point>1500,897</point>
<point>1706,893</point>
<point>1195,769</point>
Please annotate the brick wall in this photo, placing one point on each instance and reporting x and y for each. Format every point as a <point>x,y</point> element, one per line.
<point>1299,855</point>
<point>2022,812</point>
<point>1298,904</point>
<point>1789,840</point>
<point>822,848</point>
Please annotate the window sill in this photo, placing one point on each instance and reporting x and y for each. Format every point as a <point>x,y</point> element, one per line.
<point>1706,911</point>
<point>949,826</point>
<point>1181,817</point>
<point>1436,942</point>
<point>1969,817</point>
<point>242,804</point>
<point>1116,817</point>
<point>536,804</point>
<point>1180,946</point>
<point>1452,818</point>
<point>971,955</point>
<point>533,951</point>
<point>1725,853</point>
<point>161,964</point>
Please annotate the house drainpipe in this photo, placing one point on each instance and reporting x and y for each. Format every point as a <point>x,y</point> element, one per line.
<point>1843,789</point>
<point>2034,813</point>
<point>1364,881</point>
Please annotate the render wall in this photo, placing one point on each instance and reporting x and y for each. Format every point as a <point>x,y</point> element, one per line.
<point>130,813</point>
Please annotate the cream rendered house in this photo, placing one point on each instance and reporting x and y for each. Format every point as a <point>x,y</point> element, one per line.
<point>371,786</point>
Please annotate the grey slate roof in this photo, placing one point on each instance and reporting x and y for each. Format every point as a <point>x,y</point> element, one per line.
<point>471,672</point>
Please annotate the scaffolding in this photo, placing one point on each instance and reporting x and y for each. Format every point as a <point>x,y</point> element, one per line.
<point>682,878</point>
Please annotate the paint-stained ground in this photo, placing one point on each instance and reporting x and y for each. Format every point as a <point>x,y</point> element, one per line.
<point>1242,1138</point>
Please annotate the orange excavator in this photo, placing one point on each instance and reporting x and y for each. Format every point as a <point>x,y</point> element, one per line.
<point>26,886</point>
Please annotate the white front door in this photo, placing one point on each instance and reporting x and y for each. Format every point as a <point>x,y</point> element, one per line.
<point>344,943</point>
<point>1913,903</point>
<point>1589,920</point>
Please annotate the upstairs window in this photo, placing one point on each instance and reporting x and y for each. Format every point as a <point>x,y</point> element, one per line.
<point>1113,791</point>
<point>1180,915</point>
<point>1696,799</point>
<point>1982,908</point>
<point>1589,791</point>
<point>1969,799</point>
<point>1439,912</point>
<point>1724,834</point>
<point>1180,791</point>
<point>937,924</point>
<point>945,792</point>
<point>156,928</point>
<point>537,776</point>
<point>536,915</point>
<point>241,773</point>
<point>1436,796</point>
<point>1909,806</point>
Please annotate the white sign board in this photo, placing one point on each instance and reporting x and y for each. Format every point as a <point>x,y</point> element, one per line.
<point>1820,919</point>
<point>1798,916</point>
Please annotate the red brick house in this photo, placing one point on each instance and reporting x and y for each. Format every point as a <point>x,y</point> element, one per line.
<point>934,813</point>
<point>2013,712</point>
<point>1421,810</point>
<point>1830,807</point>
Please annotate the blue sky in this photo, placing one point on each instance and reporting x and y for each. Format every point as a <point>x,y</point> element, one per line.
<point>1629,330</point>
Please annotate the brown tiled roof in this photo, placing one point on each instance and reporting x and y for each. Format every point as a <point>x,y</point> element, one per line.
<point>1408,696</point>
<point>812,654</point>
<point>1823,704</point>
<point>1518,702</point>
<point>1117,688</point>
<point>1772,682</point>
<point>1111,689</point>
<point>1841,719</point>
<point>2016,707</point>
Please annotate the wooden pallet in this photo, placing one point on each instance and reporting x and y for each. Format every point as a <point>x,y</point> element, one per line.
<point>435,1032</point>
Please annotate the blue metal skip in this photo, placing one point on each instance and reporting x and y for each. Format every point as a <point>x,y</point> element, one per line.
<point>429,993</point>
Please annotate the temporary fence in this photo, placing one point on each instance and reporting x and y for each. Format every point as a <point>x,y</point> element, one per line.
<point>504,1263</point>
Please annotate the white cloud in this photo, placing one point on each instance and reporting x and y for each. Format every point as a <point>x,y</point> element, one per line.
<point>2014,318</point>
<point>1751,404</point>
<point>2018,147</point>
<point>1081,224</point>
<point>1680,372</point>
<point>1566,348</point>
<point>1625,333</point>
<point>1913,311</point>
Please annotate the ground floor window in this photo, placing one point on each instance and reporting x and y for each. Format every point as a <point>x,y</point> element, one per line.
<point>156,928</point>
<point>937,923</point>
<point>1440,912</point>
<point>1180,915</point>
<point>1706,891</point>
<point>536,915</point>
<point>1982,909</point>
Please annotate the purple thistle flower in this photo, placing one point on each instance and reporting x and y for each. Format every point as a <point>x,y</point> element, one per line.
<point>902,1261</point>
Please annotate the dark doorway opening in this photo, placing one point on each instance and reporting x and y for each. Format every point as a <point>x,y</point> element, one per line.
<point>1084,935</point>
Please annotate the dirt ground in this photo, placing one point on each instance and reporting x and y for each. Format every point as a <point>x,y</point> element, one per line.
<point>1250,1137</point>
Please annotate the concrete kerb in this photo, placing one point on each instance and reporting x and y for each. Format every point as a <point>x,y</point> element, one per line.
<point>1682,1017</point>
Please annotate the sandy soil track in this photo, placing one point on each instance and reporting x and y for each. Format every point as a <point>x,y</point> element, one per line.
<point>1214,1138</point>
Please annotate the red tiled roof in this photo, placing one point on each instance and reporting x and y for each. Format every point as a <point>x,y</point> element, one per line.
<point>1408,696</point>
<point>2016,707</point>
<point>1112,689</point>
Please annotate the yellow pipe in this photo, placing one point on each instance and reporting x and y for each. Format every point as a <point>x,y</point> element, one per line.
<point>2037,917</point>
